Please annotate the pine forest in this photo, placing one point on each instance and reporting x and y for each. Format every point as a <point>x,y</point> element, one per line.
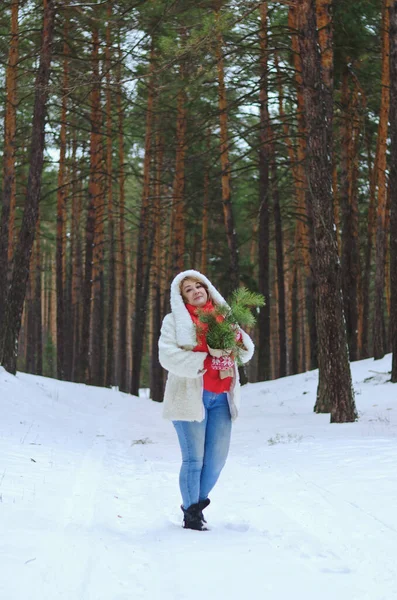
<point>255,142</point>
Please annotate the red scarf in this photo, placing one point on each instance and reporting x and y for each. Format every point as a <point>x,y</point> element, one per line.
<point>202,327</point>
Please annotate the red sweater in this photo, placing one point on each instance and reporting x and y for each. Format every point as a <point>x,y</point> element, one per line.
<point>212,380</point>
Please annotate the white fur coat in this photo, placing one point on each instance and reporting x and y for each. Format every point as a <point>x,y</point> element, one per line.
<point>184,388</point>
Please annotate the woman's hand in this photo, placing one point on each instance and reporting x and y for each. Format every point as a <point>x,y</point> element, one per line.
<point>218,353</point>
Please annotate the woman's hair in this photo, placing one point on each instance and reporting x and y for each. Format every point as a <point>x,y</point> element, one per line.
<point>192,278</point>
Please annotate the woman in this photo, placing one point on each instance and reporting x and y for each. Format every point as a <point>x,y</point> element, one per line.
<point>202,392</point>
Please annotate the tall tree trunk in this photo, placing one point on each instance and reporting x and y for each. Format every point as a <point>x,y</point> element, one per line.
<point>225,165</point>
<point>303,328</point>
<point>294,320</point>
<point>371,222</point>
<point>301,343</point>
<point>387,264</point>
<point>393,185</point>
<point>143,256</point>
<point>278,231</point>
<point>130,250</point>
<point>122,260</point>
<point>28,348</point>
<point>356,288</point>
<point>76,262</point>
<point>336,205</point>
<point>38,307</point>
<point>9,179</point>
<point>263,371</point>
<point>204,225</point>
<point>309,261</point>
<point>110,372</point>
<point>98,322</point>
<point>274,338</point>
<point>53,309</point>
<point>305,226</point>
<point>350,250</point>
<point>61,215</point>
<point>378,325</point>
<point>156,371</point>
<point>166,254</point>
<point>178,203</point>
<point>325,39</point>
<point>293,160</point>
<point>296,175</point>
<point>94,197</point>
<point>334,366</point>
<point>205,216</point>
<point>13,313</point>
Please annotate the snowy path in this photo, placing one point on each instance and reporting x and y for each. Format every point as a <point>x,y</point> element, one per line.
<point>89,500</point>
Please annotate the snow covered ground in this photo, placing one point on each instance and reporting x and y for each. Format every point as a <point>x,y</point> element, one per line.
<point>304,510</point>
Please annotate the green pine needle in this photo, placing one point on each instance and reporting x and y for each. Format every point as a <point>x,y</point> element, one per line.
<point>243,316</point>
<point>243,296</point>
<point>238,313</point>
<point>221,336</point>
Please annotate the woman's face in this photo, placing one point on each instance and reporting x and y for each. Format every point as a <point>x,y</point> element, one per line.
<point>194,292</point>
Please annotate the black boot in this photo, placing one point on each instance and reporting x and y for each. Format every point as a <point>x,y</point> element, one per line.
<point>202,505</point>
<point>192,518</point>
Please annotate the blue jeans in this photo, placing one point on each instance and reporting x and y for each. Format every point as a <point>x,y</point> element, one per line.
<point>204,446</point>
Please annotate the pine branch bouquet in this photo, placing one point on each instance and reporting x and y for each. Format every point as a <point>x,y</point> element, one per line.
<point>224,321</point>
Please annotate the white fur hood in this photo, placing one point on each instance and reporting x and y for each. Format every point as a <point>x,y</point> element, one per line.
<point>185,330</point>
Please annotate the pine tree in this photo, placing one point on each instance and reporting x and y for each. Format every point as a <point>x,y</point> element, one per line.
<point>12,322</point>
<point>393,184</point>
<point>335,385</point>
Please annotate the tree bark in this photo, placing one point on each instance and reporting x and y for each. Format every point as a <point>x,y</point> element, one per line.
<point>94,197</point>
<point>278,231</point>
<point>156,370</point>
<point>305,237</point>
<point>336,385</point>
<point>76,263</point>
<point>292,155</point>
<point>393,185</point>
<point>178,203</point>
<point>61,215</point>
<point>371,222</point>
<point>122,261</point>
<point>98,322</point>
<point>325,38</point>
<point>13,312</point>
<point>9,179</point>
<point>378,325</point>
<point>37,306</point>
<point>28,338</point>
<point>225,165</point>
<point>350,248</point>
<point>263,370</point>
<point>205,216</point>
<point>297,175</point>
<point>144,243</point>
<point>294,321</point>
<point>110,346</point>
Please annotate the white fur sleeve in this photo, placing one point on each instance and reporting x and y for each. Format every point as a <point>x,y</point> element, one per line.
<point>247,354</point>
<point>174,359</point>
